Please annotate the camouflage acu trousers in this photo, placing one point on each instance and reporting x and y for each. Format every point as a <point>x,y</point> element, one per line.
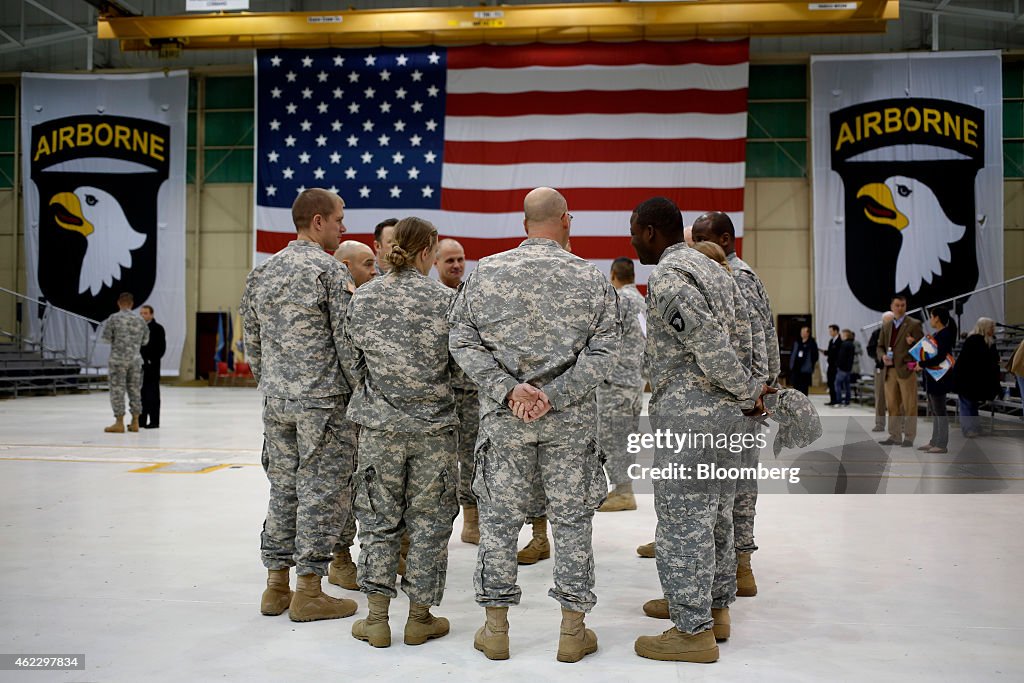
<point>746,501</point>
<point>309,451</point>
<point>406,481</point>
<point>125,378</point>
<point>560,449</point>
<point>723,590</point>
<point>348,529</point>
<point>618,415</point>
<point>467,405</point>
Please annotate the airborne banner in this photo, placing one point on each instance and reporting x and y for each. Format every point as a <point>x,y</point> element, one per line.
<point>908,184</point>
<point>104,170</point>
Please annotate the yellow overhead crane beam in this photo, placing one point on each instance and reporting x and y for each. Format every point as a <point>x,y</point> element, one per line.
<point>617,21</point>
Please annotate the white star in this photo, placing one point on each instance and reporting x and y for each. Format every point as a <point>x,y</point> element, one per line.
<point>288,173</point>
<point>353,108</point>
<point>397,158</point>
<point>289,141</point>
<point>401,60</point>
<point>290,76</point>
<point>429,157</point>
<point>350,173</point>
<point>432,91</point>
<point>319,173</point>
<point>272,157</point>
<point>271,190</point>
<point>364,192</point>
<point>382,173</point>
<point>385,107</point>
<point>400,93</point>
<point>321,141</point>
<point>417,107</point>
<point>399,125</point>
<point>353,77</point>
<point>339,61</point>
<point>338,92</point>
<point>369,93</point>
<point>306,125</point>
<point>395,191</point>
<point>428,191</point>
<point>414,173</point>
<point>307,93</point>
<point>322,107</point>
<point>275,125</point>
<point>291,107</point>
<point>385,75</point>
<point>431,125</point>
<point>434,58</point>
<point>335,157</point>
<point>322,77</point>
<point>370,60</point>
<point>334,189</point>
<point>276,93</point>
<point>417,75</point>
<point>275,61</point>
<point>335,125</point>
<point>304,158</point>
<point>352,141</point>
<point>300,189</point>
<point>367,126</point>
<point>366,157</point>
<point>383,140</point>
<point>307,61</point>
<point>415,140</point>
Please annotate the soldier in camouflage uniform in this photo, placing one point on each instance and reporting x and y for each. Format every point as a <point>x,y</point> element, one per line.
<point>699,384</point>
<point>451,266</point>
<point>126,333</point>
<point>404,404</point>
<point>538,327</point>
<point>620,396</point>
<point>293,314</point>
<point>718,228</point>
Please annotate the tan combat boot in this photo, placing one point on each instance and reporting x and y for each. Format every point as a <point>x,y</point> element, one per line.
<point>657,608</point>
<point>470,525</point>
<point>375,628</point>
<point>575,640</point>
<point>342,571</point>
<point>277,595</point>
<point>309,603</point>
<point>746,587</point>
<point>675,646</point>
<point>646,550</point>
<point>403,552</point>
<point>134,426</point>
<point>492,637</point>
<point>538,548</point>
<point>423,626</point>
<point>117,427</point>
<point>620,499</point>
<point>723,625</point>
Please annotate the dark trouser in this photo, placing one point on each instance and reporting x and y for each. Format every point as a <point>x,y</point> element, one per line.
<point>832,393</point>
<point>970,423</point>
<point>150,396</point>
<point>940,420</point>
<point>842,387</point>
<point>879,399</point>
<point>802,382</point>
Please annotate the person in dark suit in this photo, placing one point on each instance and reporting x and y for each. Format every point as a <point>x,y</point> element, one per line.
<point>977,375</point>
<point>844,368</point>
<point>832,356</point>
<point>936,389</point>
<point>802,361</point>
<point>893,350</point>
<point>151,355</point>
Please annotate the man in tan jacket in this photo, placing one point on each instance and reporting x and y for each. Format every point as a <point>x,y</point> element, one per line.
<point>894,344</point>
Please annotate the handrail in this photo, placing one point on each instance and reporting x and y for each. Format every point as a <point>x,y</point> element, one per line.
<point>84,359</point>
<point>47,303</point>
<point>871,326</point>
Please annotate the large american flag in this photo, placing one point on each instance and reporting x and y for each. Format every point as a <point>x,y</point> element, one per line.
<point>459,136</point>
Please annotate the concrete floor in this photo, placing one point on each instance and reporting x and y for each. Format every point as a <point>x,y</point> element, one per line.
<point>155,576</point>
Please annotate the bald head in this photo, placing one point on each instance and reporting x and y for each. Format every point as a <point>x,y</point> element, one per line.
<point>358,258</point>
<point>450,262</point>
<point>547,215</point>
<point>688,235</point>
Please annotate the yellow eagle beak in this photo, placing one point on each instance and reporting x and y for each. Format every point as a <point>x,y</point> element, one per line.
<point>68,212</point>
<point>880,207</point>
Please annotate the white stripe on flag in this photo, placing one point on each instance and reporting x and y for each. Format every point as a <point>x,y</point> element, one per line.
<point>595,127</point>
<point>589,77</point>
<point>617,175</point>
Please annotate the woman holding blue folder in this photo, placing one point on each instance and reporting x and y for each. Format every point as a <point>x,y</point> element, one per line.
<point>936,389</point>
